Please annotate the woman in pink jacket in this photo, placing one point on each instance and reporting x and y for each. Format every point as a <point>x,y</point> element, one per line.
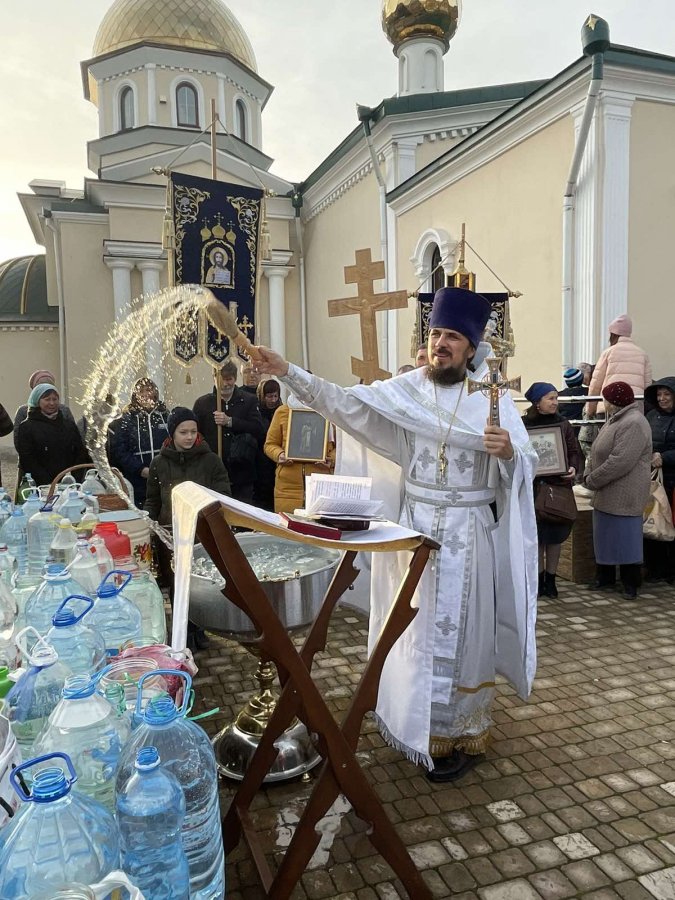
<point>623,361</point>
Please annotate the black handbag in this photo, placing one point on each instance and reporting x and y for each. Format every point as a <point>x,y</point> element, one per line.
<point>555,503</point>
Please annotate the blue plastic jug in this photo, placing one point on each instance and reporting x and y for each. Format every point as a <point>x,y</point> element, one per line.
<point>30,702</point>
<point>90,730</point>
<point>58,836</point>
<point>118,619</point>
<point>150,811</point>
<point>79,646</point>
<point>42,605</point>
<point>186,752</point>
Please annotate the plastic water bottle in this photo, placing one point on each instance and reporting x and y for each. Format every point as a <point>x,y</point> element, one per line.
<point>13,534</point>
<point>5,507</point>
<point>42,527</point>
<point>32,502</point>
<point>150,811</point>
<point>59,836</point>
<point>7,623</point>
<point>117,618</point>
<point>74,507</point>
<point>56,584</point>
<point>23,588</point>
<point>7,565</point>
<point>30,702</point>
<point>186,752</point>
<point>103,556</point>
<point>92,483</point>
<point>85,527</point>
<point>89,729</point>
<point>62,548</point>
<point>79,646</point>
<point>84,567</point>
<point>90,500</point>
<point>144,591</point>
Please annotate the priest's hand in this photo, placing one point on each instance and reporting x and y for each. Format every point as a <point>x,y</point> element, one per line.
<point>497,442</point>
<point>268,362</point>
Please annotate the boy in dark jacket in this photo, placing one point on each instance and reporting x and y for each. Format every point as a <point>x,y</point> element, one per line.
<point>185,456</point>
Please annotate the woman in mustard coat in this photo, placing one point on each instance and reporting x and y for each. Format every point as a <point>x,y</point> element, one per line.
<point>289,482</point>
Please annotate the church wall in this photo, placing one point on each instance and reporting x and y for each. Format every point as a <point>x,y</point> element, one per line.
<point>108,97</point>
<point>428,151</point>
<point>130,224</point>
<point>512,209</point>
<point>330,240</point>
<point>23,349</point>
<point>652,232</point>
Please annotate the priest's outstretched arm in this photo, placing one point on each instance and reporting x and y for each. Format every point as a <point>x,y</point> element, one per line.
<point>336,403</point>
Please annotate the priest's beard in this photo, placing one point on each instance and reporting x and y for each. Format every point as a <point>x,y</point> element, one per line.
<point>446,376</point>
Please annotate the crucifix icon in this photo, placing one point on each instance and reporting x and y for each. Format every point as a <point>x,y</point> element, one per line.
<point>366,304</point>
<point>494,386</point>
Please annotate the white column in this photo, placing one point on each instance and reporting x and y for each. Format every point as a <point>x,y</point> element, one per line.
<point>150,270</point>
<point>152,94</point>
<point>121,274</point>
<point>222,110</point>
<point>616,116</point>
<point>276,275</point>
<point>421,66</point>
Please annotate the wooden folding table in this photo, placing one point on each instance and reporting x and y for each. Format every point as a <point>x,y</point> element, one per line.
<point>340,771</point>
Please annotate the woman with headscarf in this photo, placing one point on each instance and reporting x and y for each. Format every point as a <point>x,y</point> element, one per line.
<point>660,397</point>
<point>139,435</point>
<point>48,442</point>
<point>543,412</point>
<point>269,400</point>
<point>619,471</point>
<point>40,376</point>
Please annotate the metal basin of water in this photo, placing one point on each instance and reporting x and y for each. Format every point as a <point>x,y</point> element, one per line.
<point>294,576</point>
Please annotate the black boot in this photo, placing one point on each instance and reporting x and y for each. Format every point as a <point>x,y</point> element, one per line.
<point>549,584</point>
<point>453,767</point>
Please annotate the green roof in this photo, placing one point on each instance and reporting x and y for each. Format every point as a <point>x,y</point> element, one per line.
<point>23,291</point>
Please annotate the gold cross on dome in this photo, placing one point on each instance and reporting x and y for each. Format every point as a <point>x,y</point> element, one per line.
<point>591,22</point>
<point>366,304</point>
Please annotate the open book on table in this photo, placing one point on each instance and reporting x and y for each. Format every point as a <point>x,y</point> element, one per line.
<point>340,495</point>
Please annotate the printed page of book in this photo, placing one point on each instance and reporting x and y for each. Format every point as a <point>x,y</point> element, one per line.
<point>338,488</point>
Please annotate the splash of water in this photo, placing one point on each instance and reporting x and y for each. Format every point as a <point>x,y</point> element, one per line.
<point>152,321</point>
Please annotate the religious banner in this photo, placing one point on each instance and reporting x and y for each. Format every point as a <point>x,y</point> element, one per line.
<point>499,324</point>
<point>217,238</point>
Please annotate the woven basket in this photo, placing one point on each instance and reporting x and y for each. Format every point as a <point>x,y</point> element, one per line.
<point>106,502</point>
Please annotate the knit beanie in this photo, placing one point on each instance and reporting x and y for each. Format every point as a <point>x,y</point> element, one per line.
<point>622,326</point>
<point>39,391</point>
<point>538,390</point>
<point>43,375</point>
<point>618,393</point>
<point>179,414</point>
<point>573,377</point>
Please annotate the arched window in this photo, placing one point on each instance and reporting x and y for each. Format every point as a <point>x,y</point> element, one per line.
<point>187,106</point>
<point>240,119</point>
<point>127,118</point>
<point>438,277</point>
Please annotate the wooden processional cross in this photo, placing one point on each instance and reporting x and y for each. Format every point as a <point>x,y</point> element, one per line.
<point>366,304</point>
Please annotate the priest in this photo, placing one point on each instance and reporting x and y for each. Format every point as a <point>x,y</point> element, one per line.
<point>467,484</point>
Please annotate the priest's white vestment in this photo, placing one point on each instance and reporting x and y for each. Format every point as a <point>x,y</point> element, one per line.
<point>477,597</point>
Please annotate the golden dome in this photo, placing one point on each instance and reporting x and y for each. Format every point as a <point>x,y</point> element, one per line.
<point>199,24</point>
<point>405,19</point>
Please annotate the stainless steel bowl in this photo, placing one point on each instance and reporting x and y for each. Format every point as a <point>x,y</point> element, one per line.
<point>296,598</point>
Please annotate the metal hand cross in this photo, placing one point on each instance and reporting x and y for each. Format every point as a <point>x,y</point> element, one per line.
<point>494,386</point>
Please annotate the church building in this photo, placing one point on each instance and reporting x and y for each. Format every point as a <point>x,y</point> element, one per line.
<point>414,169</point>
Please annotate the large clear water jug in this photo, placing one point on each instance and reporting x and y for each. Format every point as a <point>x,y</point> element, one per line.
<point>56,584</point>
<point>103,556</point>
<point>93,483</point>
<point>7,626</point>
<point>117,619</point>
<point>150,812</point>
<point>185,750</point>
<point>90,730</point>
<point>6,506</point>
<point>23,588</point>
<point>31,701</point>
<point>14,534</point>
<point>80,646</point>
<point>42,527</point>
<point>144,591</point>
<point>73,507</point>
<point>84,568</point>
<point>58,836</point>
<point>85,527</point>
<point>7,566</point>
<point>31,502</point>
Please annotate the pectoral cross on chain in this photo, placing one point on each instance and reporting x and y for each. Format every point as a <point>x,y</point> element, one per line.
<point>494,386</point>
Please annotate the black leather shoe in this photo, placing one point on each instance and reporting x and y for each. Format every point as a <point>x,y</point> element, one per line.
<point>630,593</point>
<point>602,586</point>
<point>453,767</point>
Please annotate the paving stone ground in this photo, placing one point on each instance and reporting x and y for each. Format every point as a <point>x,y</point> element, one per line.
<point>576,797</point>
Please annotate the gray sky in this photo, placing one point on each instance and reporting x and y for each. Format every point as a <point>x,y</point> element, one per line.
<point>322,56</point>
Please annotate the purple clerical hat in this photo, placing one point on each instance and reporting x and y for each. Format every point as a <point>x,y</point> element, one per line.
<point>460,310</point>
